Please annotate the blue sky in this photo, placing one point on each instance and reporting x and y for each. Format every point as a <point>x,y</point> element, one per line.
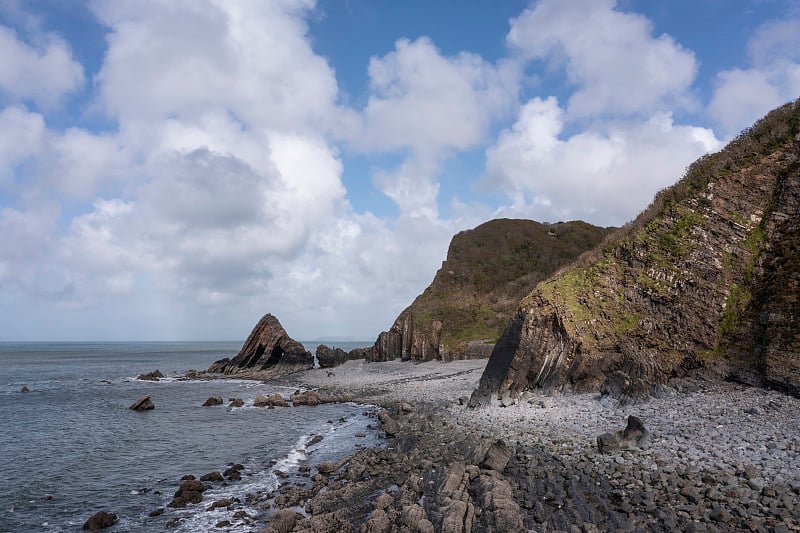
<point>175,169</point>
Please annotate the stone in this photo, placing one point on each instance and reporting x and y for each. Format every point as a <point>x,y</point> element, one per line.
<point>634,435</point>
<point>305,398</point>
<point>236,402</point>
<point>330,357</point>
<point>497,456</point>
<point>214,400</point>
<point>284,521</point>
<point>316,439</point>
<point>389,424</point>
<point>100,520</point>
<point>274,400</point>
<point>218,367</point>
<point>269,352</point>
<point>190,491</point>
<point>155,375</point>
<point>214,476</point>
<point>142,404</point>
<point>222,503</point>
<point>24,389</point>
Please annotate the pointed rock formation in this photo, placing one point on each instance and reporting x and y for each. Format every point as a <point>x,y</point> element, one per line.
<point>707,277</point>
<point>267,353</point>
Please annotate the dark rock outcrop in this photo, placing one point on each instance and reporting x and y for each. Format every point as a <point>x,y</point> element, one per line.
<point>214,400</point>
<point>190,491</point>
<point>705,279</point>
<point>273,400</point>
<point>218,367</point>
<point>267,353</point>
<point>100,520</point>
<point>331,357</point>
<point>24,389</point>
<point>142,404</point>
<point>155,375</point>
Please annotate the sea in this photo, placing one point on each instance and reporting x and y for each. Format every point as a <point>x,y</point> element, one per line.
<point>72,447</point>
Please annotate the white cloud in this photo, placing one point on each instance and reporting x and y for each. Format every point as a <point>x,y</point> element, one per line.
<point>22,135</point>
<point>428,105</point>
<point>605,175</point>
<point>40,74</point>
<point>611,57</point>
<point>742,96</point>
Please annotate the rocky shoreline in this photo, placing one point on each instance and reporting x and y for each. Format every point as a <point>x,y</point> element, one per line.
<point>715,456</point>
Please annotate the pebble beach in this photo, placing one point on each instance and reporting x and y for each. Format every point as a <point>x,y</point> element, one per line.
<point>717,457</point>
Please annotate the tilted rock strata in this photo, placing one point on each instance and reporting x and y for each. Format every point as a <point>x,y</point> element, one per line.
<point>707,277</point>
<point>268,352</point>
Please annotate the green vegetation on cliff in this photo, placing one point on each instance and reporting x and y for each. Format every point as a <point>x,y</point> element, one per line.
<point>488,271</point>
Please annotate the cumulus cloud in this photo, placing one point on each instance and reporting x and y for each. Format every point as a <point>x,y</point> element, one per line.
<point>428,104</point>
<point>604,175</point>
<point>611,57</point>
<point>40,74</point>
<point>742,96</point>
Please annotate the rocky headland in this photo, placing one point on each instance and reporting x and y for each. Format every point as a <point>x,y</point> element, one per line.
<point>706,279</point>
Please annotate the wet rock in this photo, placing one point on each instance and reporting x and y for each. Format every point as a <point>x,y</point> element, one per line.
<point>100,520</point>
<point>274,400</point>
<point>190,491</point>
<point>232,473</point>
<point>316,439</point>
<point>142,404</point>
<point>218,367</point>
<point>236,402</point>
<point>214,400</point>
<point>155,375</point>
<point>222,503</point>
<point>305,398</point>
<point>326,468</point>
<point>283,521</point>
<point>389,424</point>
<point>213,477</point>
<point>24,389</point>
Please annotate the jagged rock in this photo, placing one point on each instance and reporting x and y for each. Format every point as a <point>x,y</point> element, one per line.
<point>213,477</point>
<point>389,424</point>
<point>634,435</point>
<point>269,352</point>
<point>497,456</point>
<point>155,375</point>
<point>214,400</point>
<point>142,404</point>
<point>222,503</point>
<point>100,520</point>
<point>274,400</point>
<point>305,398</point>
<point>218,367</point>
<point>283,521</point>
<point>190,491</point>
<point>706,278</point>
<point>316,439</point>
<point>331,357</point>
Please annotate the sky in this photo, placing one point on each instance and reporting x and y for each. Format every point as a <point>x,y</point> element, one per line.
<point>174,169</point>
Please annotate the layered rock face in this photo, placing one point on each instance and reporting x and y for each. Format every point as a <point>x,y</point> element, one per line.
<point>487,272</point>
<point>707,277</point>
<point>268,352</point>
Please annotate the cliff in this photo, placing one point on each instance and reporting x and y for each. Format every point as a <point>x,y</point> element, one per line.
<point>707,278</point>
<point>487,272</point>
<point>268,352</point>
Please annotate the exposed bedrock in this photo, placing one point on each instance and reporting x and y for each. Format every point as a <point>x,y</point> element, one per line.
<point>707,279</point>
<point>268,352</point>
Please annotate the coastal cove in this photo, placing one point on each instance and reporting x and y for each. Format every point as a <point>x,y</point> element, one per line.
<point>72,447</point>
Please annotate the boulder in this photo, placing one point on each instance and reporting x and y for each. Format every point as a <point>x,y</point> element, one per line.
<point>24,389</point>
<point>305,398</point>
<point>190,491</point>
<point>497,457</point>
<point>330,357</point>
<point>634,435</point>
<point>274,400</point>
<point>236,402</point>
<point>100,520</point>
<point>142,404</point>
<point>389,424</point>
<point>155,375</point>
<point>214,400</point>
<point>214,476</point>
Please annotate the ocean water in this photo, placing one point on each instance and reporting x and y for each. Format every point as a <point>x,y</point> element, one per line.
<point>71,447</point>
